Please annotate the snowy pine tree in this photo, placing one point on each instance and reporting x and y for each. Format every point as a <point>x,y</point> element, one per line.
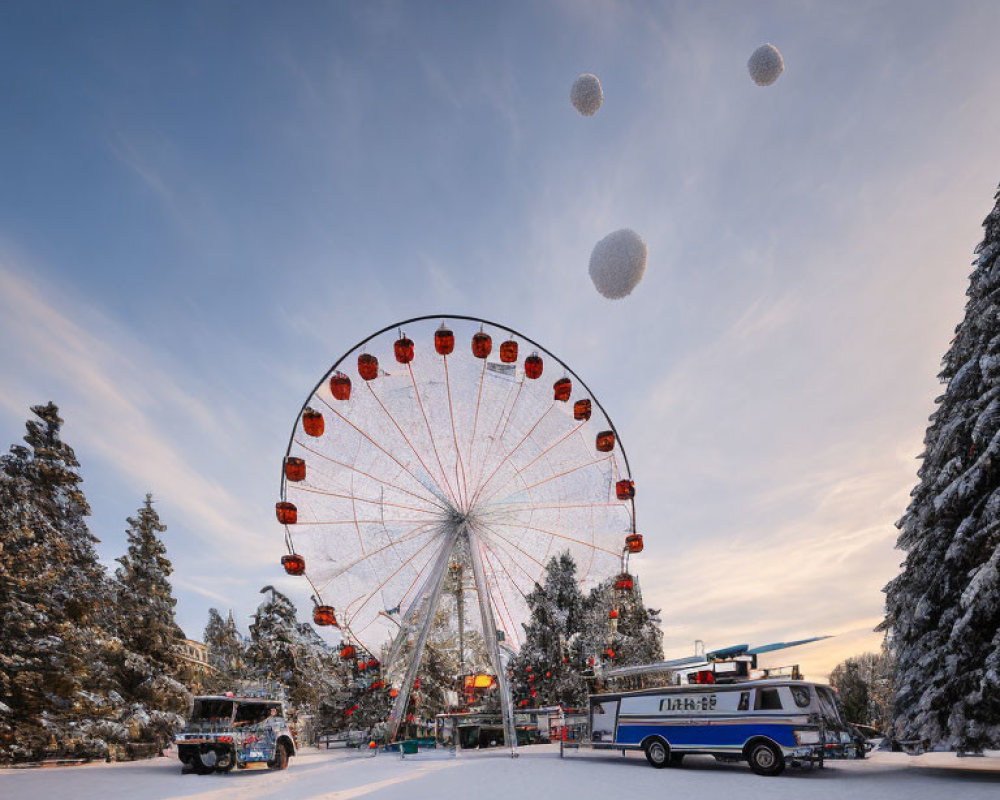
<point>944,608</point>
<point>144,598</point>
<point>634,637</point>
<point>226,652</point>
<point>544,674</point>
<point>148,669</point>
<point>281,648</point>
<point>53,599</point>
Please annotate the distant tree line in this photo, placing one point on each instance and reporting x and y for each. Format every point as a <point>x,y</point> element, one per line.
<point>89,661</point>
<point>864,684</point>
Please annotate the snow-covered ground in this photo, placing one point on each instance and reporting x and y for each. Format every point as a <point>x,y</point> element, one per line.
<point>539,772</point>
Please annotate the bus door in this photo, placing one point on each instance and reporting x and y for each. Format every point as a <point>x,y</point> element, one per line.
<point>603,719</point>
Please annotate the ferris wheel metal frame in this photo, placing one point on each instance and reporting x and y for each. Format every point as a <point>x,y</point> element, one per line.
<point>418,618</point>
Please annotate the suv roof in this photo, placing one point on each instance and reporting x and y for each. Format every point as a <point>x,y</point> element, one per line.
<point>238,698</point>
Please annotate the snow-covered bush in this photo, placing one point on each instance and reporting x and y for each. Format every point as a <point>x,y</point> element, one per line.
<point>617,263</point>
<point>765,65</point>
<point>586,94</point>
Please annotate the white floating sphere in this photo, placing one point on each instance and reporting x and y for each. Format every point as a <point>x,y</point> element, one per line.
<point>586,94</point>
<point>618,263</point>
<point>765,65</point>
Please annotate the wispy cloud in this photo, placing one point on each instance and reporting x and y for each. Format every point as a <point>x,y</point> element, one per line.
<point>124,405</point>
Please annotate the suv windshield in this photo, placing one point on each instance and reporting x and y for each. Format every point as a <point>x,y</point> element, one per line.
<point>253,713</point>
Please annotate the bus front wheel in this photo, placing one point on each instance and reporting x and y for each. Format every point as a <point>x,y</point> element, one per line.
<point>765,759</point>
<point>657,753</point>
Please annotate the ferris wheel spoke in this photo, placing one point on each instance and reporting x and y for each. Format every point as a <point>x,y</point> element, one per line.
<point>493,532</point>
<point>556,534</point>
<point>585,570</point>
<point>504,417</point>
<point>518,472</point>
<point>430,433</point>
<point>368,500</point>
<point>394,573</point>
<point>415,533</point>
<point>498,554</point>
<point>568,472</point>
<point>539,507</point>
<point>354,508</point>
<point>301,524</point>
<point>454,434</point>
<point>402,433</point>
<point>399,463</point>
<point>419,574</point>
<point>552,447</point>
<point>508,620</point>
<point>506,458</point>
<point>429,498</point>
<point>475,421</point>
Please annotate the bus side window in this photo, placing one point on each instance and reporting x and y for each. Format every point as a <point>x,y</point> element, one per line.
<point>744,702</point>
<point>767,700</point>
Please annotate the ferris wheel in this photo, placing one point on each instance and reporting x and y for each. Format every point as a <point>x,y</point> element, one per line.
<point>446,441</point>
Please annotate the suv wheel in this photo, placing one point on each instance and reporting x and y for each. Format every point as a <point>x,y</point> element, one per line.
<point>200,767</point>
<point>280,756</point>
<point>226,762</point>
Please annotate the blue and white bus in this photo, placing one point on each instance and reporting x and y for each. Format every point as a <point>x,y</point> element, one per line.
<point>768,723</point>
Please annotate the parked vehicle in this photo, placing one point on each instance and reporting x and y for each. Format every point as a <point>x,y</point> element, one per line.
<point>342,739</point>
<point>768,723</point>
<point>226,732</point>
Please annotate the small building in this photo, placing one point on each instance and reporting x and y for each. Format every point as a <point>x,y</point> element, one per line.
<point>195,667</point>
<point>194,653</point>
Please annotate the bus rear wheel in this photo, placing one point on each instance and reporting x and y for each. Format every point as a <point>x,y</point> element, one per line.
<point>657,753</point>
<point>765,759</point>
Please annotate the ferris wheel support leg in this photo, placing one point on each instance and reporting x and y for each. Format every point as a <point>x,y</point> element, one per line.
<point>415,614</point>
<point>490,635</point>
<point>428,599</point>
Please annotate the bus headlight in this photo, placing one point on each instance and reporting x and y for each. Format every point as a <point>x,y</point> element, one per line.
<point>807,737</point>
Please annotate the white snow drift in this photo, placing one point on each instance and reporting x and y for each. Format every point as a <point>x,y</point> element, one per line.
<point>765,65</point>
<point>618,263</point>
<point>586,94</point>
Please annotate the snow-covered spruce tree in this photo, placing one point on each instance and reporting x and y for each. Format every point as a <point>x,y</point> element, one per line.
<point>144,607</point>
<point>53,599</point>
<point>368,700</point>
<point>943,610</point>
<point>281,648</point>
<point>226,652</point>
<point>543,673</point>
<point>635,639</point>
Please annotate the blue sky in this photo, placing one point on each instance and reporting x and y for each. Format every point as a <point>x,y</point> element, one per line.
<point>204,205</point>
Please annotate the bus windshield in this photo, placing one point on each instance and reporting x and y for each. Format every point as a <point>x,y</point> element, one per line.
<point>827,704</point>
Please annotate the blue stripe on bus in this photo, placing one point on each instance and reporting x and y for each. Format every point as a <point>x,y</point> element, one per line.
<point>706,735</point>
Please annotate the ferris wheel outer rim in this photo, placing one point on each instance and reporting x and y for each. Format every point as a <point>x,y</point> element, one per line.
<point>465,318</point>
